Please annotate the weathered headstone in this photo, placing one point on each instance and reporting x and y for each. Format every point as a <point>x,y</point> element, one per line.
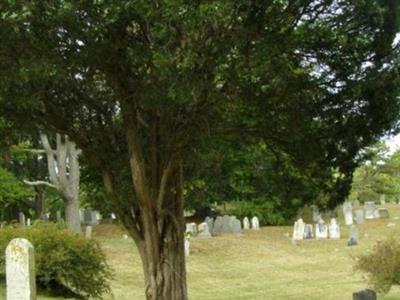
<point>364,294</point>
<point>334,229</point>
<point>369,209</point>
<point>28,222</point>
<point>90,217</point>
<point>353,239</point>
<point>383,213</point>
<point>376,214</point>
<point>236,226</point>
<point>210,223</point>
<point>203,230</point>
<point>321,230</point>
<point>218,224</point>
<point>88,232</point>
<point>359,216</point>
<point>348,213</point>
<point>22,219</point>
<point>382,199</point>
<point>308,232</point>
<point>226,224</point>
<point>192,228</point>
<point>298,230</point>
<point>20,270</point>
<point>255,223</point>
<point>246,223</point>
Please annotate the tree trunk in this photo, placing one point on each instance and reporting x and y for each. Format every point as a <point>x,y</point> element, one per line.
<point>40,203</point>
<point>72,216</point>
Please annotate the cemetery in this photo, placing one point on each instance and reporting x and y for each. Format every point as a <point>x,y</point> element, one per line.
<point>175,150</point>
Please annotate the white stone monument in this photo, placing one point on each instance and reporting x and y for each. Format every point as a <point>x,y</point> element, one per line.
<point>192,228</point>
<point>369,209</point>
<point>187,246</point>
<point>20,270</point>
<point>348,213</point>
<point>88,232</point>
<point>298,230</point>
<point>246,223</point>
<point>255,223</point>
<point>203,230</point>
<point>359,216</point>
<point>218,225</point>
<point>334,229</point>
<point>321,230</point>
<point>22,219</point>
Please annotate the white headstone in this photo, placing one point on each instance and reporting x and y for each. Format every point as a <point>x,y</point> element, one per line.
<point>255,223</point>
<point>308,232</point>
<point>321,230</point>
<point>226,224</point>
<point>348,213</point>
<point>298,230</point>
<point>210,223</point>
<point>28,222</point>
<point>334,229</point>
<point>187,247</point>
<point>192,228</point>
<point>22,219</point>
<point>218,225</point>
<point>20,270</point>
<point>246,223</point>
<point>203,230</point>
<point>369,210</point>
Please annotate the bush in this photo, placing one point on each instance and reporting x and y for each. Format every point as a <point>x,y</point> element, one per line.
<point>62,259</point>
<point>381,265</point>
<point>266,212</point>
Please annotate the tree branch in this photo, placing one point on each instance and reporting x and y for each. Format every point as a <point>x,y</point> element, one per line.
<point>40,182</point>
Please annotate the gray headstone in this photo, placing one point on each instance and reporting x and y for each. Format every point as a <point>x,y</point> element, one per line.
<point>348,213</point>
<point>308,232</point>
<point>369,210</point>
<point>226,224</point>
<point>364,294</point>
<point>359,216</point>
<point>236,226</point>
<point>218,224</point>
<point>203,230</point>
<point>90,217</point>
<point>20,270</point>
<point>383,213</point>
<point>210,223</point>
<point>28,222</point>
<point>321,230</point>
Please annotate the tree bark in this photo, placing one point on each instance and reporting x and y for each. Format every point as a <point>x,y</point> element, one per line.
<point>72,216</point>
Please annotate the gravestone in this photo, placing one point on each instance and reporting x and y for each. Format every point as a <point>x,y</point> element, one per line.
<point>348,213</point>
<point>298,230</point>
<point>90,217</point>
<point>334,230</point>
<point>187,246</point>
<point>226,224</point>
<point>359,216</point>
<point>218,225</point>
<point>383,213</point>
<point>364,294</point>
<point>255,223</point>
<point>22,219</point>
<point>210,223</point>
<point>382,199</point>
<point>353,239</point>
<point>308,232</point>
<point>321,230</point>
<point>376,214</point>
<point>20,270</point>
<point>246,223</point>
<point>203,230</point>
<point>236,226</point>
<point>192,228</point>
<point>28,222</point>
<point>88,232</point>
<point>59,217</point>
<point>369,207</point>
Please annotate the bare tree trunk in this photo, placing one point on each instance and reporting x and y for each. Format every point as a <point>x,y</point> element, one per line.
<point>40,203</point>
<point>72,216</point>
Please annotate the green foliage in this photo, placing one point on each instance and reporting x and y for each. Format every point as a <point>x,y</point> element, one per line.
<point>12,189</point>
<point>266,211</point>
<point>63,259</point>
<point>381,265</point>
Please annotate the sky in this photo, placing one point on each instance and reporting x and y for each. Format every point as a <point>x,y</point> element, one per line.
<point>393,143</point>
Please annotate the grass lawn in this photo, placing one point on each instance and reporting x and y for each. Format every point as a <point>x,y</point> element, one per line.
<point>255,265</point>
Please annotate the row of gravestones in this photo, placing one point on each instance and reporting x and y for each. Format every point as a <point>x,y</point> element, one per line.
<point>305,231</point>
<point>21,280</point>
<point>224,224</point>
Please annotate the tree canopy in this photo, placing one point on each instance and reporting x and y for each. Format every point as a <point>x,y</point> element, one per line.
<point>139,85</point>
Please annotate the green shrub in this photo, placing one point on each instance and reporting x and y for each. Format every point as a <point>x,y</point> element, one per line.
<point>266,212</point>
<point>62,259</point>
<point>382,265</point>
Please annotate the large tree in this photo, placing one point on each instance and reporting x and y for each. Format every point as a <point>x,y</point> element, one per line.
<point>138,84</point>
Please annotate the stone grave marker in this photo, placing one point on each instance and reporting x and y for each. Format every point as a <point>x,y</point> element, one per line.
<point>88,232</point>
<point>353,239</point>
<point>376,214</point>
<point>359,216</point>
<point>246,223</point>
<point>203,230</point>
<point>383,213</point>
<point>90,217</point>
<point>28,222</point>
<point>226,224</point>
<point>192,228</point>
<point>334,230</point>
<point>298,230</point>
<point>369,207</point>
<point>20,270</point>
<point>187,246</point>
<point>210,223</point>
<point>236,226</point>
<point>364,294</point>
<point>308,232</point>
<point>218,225</point>
<point>22,219</point>
<point>348,213</point>
<point>321,230</point>
<point>255,223</point>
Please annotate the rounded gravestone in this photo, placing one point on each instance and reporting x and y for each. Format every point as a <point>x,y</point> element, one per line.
<point>20,270</point>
